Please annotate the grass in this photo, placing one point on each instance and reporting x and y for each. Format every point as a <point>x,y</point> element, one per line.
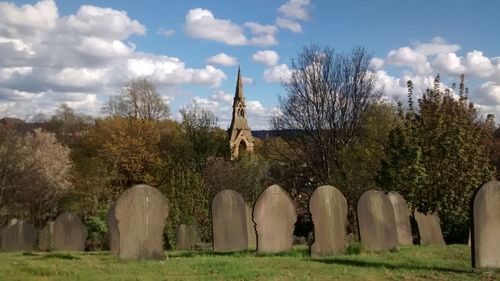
<point>408,263</point>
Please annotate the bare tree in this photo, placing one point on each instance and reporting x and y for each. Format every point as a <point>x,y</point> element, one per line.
<point>327,95</point>
<point>139,100</point>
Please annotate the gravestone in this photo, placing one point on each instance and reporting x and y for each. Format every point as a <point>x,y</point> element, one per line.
<point>229,222</point>
<point>328,208</point>
<point>113,234</point>
<point>185,238</point>
<point>377,223</point>
<point>141,212</point>
<point>429,229</point>
<point>275,216</point>
<point>69,233</point>
<point>486,226</point>
<point>45,237</point>
<point>18,235</point>
<point>402,216</point>
<point>252,236</point>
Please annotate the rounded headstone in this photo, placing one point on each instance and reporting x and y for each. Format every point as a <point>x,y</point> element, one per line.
<point>229,222</point>
<point>140,213</point>
<point>402,215</point>
<point>486,226</point>
<point>185,238</point>
<point>18,235</point>
<point>69,233</point>
<point>377,223</point>
<point>328,208</point>
<point>45,237</point>
<point>429,228</point>
<point>252,236</point>
<point>113,234</point>
<point>274,216</point>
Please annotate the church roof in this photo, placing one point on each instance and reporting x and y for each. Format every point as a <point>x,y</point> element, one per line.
<point>238,93</point>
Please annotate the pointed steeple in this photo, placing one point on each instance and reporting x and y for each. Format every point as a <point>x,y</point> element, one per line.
<point>240,134</point>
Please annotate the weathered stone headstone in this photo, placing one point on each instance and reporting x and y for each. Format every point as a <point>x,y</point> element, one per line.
<point>377,223</point>
<point>328,208</point>
<point>185,238</point>
<point>403,226</point>
<point>486,226</point>
<point>18,235</point>
<point>275,216</point>
<point>45,237</point>
<point>113,234</point>
<point>229,222</point>
<point>141,212</point>
<point>252,236</point>
<point>429,229</point>
<point>69,233</point>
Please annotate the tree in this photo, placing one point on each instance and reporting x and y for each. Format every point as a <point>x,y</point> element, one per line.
<point>139,100</point>
<point>327,96</point>
<point>437,158</point>
<point>35,171</point>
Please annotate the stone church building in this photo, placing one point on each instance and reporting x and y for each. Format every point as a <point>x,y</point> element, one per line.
<point>241,140</point>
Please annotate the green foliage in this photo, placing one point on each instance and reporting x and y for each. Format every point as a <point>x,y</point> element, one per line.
<point>96,229</point>
<point>437,157</point>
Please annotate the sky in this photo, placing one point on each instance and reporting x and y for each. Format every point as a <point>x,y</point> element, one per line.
<point>83,52</point>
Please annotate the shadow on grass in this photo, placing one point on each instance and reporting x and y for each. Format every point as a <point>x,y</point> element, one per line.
<point>392,266</point>
<point>62,256</point>
<point>188,254</point>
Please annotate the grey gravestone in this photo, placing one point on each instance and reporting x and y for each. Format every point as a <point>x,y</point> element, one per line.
<point>275,216</point>
<point>69,233</point>
<point>141,212</point>
<point>429,229</point>
<point>486,226</point>
<point>402,215</point>
<point>185,238</point>
<point>328,208</point>
<point>113,234</point>
<point>377,223</point>
<point>45,237</point>
<point>229,222</point>
<point>18,235</point>
<point>252,236</point>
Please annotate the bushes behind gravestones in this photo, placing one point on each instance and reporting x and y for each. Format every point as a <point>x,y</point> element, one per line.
<point>45,237</point>
<point>429,229</point>
<point>402,216</point>
<point>113,234</point>
<point>486,226</point>
<point>69,233</point>
<point>140,213</point>
<point>275,216</point>
<point>328,208</point>
<point>18,235</point>
<point>377,223</point>
<point>229,222</point>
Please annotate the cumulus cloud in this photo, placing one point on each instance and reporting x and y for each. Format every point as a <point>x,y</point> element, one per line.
<point>436,46</point>
<point>376,63</point>
<point>79,59</point>
<point>406,56</point>
<point>266,57</point>
<point>201,23</point>
<point>291,12</point>
<point>289,24</point>
<point>277,73</point>
<point>222,59</point>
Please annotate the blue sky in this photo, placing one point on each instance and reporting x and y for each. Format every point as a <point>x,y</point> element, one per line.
<point>82,52</point>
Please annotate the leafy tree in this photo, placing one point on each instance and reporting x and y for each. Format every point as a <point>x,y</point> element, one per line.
<point>139,100</point>
<point>437,158</point>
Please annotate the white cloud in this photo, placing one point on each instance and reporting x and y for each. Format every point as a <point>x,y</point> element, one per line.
<point>166,32</point>
<point>406,56</point>
<point>436,46</point>
<point>478,65</point>
<point>266,57</point>
<point>201,23</point>
<point>376,63</point>
<point>41,16</point>
<point>448,63</point>
<point>222,59</point>
<point>488,93</point>
<point>263,35</point>
<point>277,73</point>
<point>296,9</point>
<point>289,24</point>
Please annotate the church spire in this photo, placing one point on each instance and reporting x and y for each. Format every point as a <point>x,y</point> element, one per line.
<point>240,134</point>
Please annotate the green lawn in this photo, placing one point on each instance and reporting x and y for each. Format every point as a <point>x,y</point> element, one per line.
<point>408,263</point>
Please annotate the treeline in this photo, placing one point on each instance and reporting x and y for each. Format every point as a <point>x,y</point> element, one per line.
<point>435,150</point>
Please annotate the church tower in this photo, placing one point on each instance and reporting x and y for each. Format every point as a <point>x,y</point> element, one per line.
<point>241,136</point>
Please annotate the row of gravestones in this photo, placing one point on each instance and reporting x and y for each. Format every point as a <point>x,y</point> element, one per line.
<point>137,220</point>
<point>66,233</point>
